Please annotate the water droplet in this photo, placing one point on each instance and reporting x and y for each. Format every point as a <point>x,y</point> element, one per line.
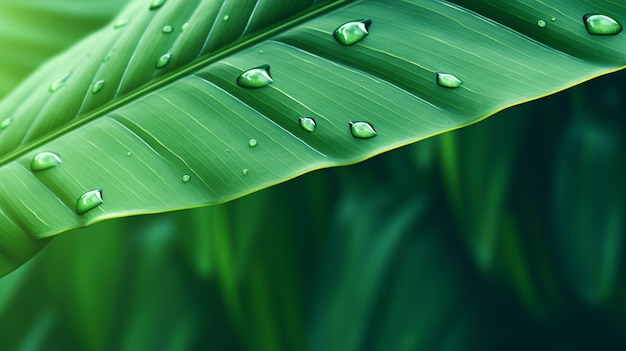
<point>553,19</point>
<point>362,130</point>
<point>256,77</point>
<point>121,23</point>
<point>88,201</point>
<point>244,171</point>
<point>44,160</point>
<point>59,83</point>
<point>97,86</point>
<point>261,51</point>
<point>226,18</point>
<point>307,123</point>
<point>167,29</point>
<point>448,80</point>
<point>184,27</point>
<point>541,23</point>
<point>252,142</point>
<point>106,58</point>
<point>129,154</point>
<point>186,178</point>
<point>6,123</point>
<point>164,60</point>
<point>156,4</point>
<point>351,33</point>
<point>601,25</point>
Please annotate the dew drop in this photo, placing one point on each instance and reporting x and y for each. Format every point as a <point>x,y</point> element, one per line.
<point>186,178</point>
<point>553,19</point>
<point>97,86</point>
<point>307,123</point>
<point>88,201</point>
<point>163,60</point>
<point>448,80</point>
<point>129,154</point>
<point>167,29</point>
<point>226,18</point>
<point>351,33</point>
<point>184,27</point>
<point>59,83</point>
<point>252,142</point>
<point>255,78</point>
<point>541,23</point>
<point>121,23</point>
<point>601,25</point>
<point>244,171</point>
<point>6,123</point>
<point>156,4</point>
<point>44,160</point>
<point>362,130</point>
<point>106,58</point>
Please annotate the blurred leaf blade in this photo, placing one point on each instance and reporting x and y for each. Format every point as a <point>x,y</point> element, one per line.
<point>183,140</point>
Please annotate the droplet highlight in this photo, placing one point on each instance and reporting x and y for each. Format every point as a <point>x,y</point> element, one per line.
<point>97,86</point>
<point>6,123</point>
<point>44,160</point>
<point>541,24</point>
<point>157,4</point>
<point>121,23</point>
<point>252,142</point>
<point>352,32</point>
<point>307,123</point>
<point>167,29</point>
<point>186,178</point>
<point>59,83</point>
<point>362,130</point>
<point>448,80</point>
<point>258,77</point>
<point>88,201</point>
<point>164,60</point>
<point>601,24</point>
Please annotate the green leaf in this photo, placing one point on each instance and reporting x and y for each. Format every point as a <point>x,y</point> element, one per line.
<point>148,120</point>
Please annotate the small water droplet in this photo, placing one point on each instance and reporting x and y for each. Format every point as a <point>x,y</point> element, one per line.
<point>352,32</point>
<point>448,80</point>
<point>601,25</point>
<point>541,23</point>
<point>307,123</point>
<point>186,178</point>
<point>59,83</point>
<point>362,130</point>
<point>44,160</point>
<point>88,201</point>
<point>6,123</point>
<point>121,23</point>
<point>97,86</point>
<point>163,60</point>
<point>167,29</point>
<point>106,58</point>
<point>261,51</point>
<point>129,154</point>
<point>226,18</point>
<point>184,27</point>
<point>156,4</point>
<point>553,19</point>
<point>244,171</point>
<point>256,77</point>
<point>252,142</point>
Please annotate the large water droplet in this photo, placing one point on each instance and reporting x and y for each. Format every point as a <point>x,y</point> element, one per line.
<point>448,80</point>
<point>362,130</point>
<point>541,23</point>
<point>59,83</point>
<point>307,123</point>
<point>97,86</point>
<point>44,160</point>
<point>256,77</point>
<point>167,29</point>
<point>252,142</point>
<point>121,23</point>
<point>88,201</point>
<point>351,33</point>
<point>6,123</point>
<point>186,178</point>
<point>164,60</point>
<point>601,25</point>
<point>156,4</point>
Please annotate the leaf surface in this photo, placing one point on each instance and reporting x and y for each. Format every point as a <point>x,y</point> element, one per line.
<point>182,133</point>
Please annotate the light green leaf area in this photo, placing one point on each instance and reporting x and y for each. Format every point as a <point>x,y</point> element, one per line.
<point>148,116</point>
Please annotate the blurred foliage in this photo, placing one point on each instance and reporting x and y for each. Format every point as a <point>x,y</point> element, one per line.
<point>504,235</point>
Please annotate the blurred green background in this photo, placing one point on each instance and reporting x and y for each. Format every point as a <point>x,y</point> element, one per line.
<point>503,235</point>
